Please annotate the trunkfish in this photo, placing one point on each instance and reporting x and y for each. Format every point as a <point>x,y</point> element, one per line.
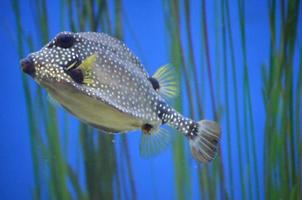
<point>99,80</point>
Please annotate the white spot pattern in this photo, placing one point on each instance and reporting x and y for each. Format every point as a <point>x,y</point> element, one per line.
<point>118,78</point>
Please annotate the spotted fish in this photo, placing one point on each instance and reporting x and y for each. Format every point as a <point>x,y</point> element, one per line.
<point>99,80</point>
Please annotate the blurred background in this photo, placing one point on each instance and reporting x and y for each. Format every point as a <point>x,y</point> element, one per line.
<point>239,62</point>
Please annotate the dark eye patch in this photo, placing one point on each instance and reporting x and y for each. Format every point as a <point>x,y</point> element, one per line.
<point>154,83</point>
<point>64,40</point>
<point>73,71</point>
<point>76,75</point>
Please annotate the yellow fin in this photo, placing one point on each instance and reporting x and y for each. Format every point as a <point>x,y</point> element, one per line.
<point>152,144</point>
<point>88,62</point>
<point>86,67</point>
<point>168,83</point>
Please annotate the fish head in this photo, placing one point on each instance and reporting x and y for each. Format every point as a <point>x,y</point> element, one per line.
<point>57,62</point>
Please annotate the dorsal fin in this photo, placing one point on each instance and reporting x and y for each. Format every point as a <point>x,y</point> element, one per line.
<point>164,81</point>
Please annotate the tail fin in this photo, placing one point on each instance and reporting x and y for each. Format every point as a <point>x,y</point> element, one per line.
<point>204,144</point>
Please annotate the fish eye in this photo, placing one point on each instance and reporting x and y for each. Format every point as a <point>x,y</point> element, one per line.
<point>64,40</point>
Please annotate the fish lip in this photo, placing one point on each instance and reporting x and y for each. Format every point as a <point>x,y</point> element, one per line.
<point>28,66</point>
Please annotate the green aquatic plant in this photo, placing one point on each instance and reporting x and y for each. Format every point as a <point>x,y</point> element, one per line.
<point>181,167</point>
<point>282,130</point>
<point>248,122</point>
<point>227,23</point>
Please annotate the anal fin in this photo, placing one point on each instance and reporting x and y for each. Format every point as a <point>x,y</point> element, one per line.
<point>151,144</point>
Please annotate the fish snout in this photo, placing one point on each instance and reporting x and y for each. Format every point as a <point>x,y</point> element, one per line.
<point>28,66</point>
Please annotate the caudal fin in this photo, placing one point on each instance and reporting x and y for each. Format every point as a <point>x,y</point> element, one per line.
<point>204,144</point>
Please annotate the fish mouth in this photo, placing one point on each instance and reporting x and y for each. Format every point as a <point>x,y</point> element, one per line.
<point>28,66</point>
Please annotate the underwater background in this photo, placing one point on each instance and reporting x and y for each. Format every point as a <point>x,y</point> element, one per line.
<point>239,62</point>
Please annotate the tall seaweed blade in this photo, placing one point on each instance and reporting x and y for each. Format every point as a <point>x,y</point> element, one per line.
<point>28,102</point>
<point>182,61</point>
<point>221,185</point>
<point>226,101</point>
<point>298,128</point>
<point>266,96</point>
<point>171,10</point>
<point>235,89</point>
<point>290,34</point>
<point>279,96</point>
<point>205,178</point>
<point>208,175</point>
<point>209,63</point>
<point>205,188</point>
<point>191,56</point>
<point>248,112</point>
<point>208,178</point>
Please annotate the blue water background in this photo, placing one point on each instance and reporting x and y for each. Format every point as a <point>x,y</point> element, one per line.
<point>154,178</point>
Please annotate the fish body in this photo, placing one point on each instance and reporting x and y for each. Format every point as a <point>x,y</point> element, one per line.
<point>99,80</point>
